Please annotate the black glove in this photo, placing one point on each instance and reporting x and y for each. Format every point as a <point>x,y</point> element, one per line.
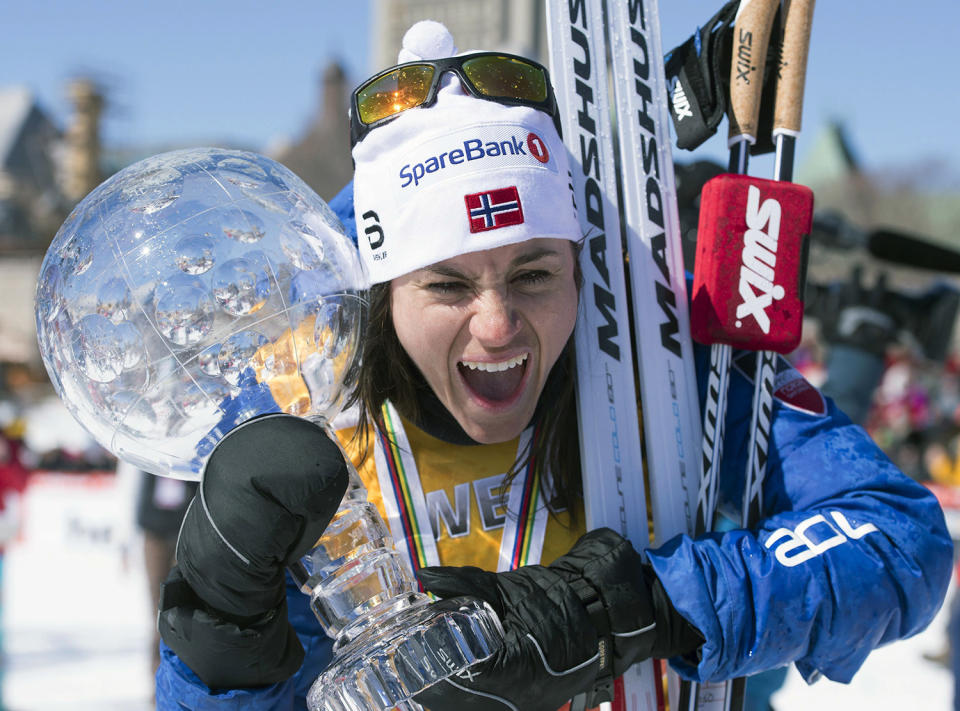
<point>268,492</point>
<point>570,628</point>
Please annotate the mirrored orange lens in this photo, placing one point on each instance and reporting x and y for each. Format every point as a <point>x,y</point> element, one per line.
<point>394,92</point>
<point>507,77</point>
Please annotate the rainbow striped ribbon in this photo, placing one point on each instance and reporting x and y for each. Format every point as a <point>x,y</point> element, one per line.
<point>409,518</point>
<point>526,524</point>
<point>403,498</point>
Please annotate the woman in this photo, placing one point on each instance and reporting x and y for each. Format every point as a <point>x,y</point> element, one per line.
<point>466,225</point>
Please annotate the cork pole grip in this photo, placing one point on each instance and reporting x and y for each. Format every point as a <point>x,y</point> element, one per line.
<point>792,73</point>
<point>751,36</point>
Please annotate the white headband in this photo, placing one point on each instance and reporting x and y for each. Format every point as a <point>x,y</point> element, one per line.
<point>462,175</point>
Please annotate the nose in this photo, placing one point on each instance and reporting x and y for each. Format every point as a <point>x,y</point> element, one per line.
<point>494,322</point>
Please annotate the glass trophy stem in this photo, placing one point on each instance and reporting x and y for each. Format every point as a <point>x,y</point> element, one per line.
<point>391,641</point>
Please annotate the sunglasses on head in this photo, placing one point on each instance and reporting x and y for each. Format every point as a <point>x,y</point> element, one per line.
<point>494,76</point>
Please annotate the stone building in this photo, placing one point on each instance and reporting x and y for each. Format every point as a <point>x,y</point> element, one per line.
<point>43,172</point>
<point>31,202</point>
<point>516,26</point>
<point>321,156</point>
<point>32,206</point>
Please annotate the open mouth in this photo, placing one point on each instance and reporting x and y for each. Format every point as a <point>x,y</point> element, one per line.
<point>495,383</point>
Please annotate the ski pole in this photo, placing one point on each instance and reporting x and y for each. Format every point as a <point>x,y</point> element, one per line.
<point>751,35</point>
<point>714,269</point>
<point>798,15</point>
<point>791,78</point>
<point>797,18</point>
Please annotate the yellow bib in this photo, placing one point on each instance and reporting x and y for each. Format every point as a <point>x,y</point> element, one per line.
<point>462,485</point>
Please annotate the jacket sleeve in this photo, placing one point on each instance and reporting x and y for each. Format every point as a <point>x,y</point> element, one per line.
<point>849,553</point>
<point>178,688</point>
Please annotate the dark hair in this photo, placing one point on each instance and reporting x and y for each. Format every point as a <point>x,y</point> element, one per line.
<point>387,372</point>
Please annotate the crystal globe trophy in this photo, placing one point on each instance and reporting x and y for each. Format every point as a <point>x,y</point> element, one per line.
<point>198,289</point>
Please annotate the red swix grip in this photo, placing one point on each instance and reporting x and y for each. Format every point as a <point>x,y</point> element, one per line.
<point>751,260</point>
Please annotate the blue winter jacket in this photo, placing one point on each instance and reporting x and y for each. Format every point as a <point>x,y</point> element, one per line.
<point>850,554</point>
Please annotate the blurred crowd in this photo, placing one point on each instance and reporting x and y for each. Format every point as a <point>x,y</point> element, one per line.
<point>915,416</point>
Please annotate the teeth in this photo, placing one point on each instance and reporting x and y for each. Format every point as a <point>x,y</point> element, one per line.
<point>494,367</point>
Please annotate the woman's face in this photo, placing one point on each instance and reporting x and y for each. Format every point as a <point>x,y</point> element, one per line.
<point>486,328</point>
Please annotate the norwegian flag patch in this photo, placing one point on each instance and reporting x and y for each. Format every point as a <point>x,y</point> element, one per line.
<point>789,385</point>
<point>492,209</point>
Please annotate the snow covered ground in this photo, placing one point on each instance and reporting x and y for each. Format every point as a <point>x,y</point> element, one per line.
<point>76,611</point>
<point>895,677</point>
<point>77,620</point>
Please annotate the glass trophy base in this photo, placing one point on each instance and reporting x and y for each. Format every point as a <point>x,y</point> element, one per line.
<point>386,663</point>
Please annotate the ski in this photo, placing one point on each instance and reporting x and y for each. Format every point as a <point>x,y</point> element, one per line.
<point>645,233</point>
<point>614,494</point>
<point>662,344</point>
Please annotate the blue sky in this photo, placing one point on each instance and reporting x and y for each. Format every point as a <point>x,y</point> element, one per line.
<point>188,71</point>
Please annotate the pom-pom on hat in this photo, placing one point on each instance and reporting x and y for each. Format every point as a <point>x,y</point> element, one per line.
<point>459,176</point>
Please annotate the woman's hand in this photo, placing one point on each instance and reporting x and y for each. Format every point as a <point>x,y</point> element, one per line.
<point>571,627</point>
<point>268,492</point>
